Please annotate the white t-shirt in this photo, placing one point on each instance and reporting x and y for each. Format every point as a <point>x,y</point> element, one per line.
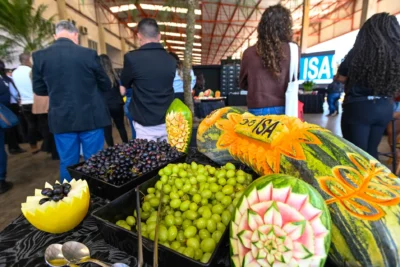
<point>22,80</point>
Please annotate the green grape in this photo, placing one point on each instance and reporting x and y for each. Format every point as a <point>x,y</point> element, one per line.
<point>186,188</point>
<point>190,231</point>
<point>172,233</point>
<point>178,221</point>
<point>193,206</point>
<point>186,223</point>
<point>183,173</point>
<point>193,180</point>
<point>143,226</point>
<point>211,179</point>
<point>164,179</point>
<point>227,189</point>
<point>218,209</point>
<point>171,182</point>
<point>175,169</point>
<point>196,198</point>
<point>175,245</point>
<point>191,215</point>
<point>222,181</point>
<point>150,227</point>
<point>219,195</point>
<point>230,173</point>
<point>230,208</point>
<point>146,206</point>
<point>167,170</point>
<point>212,170</point>
<point>206,194</point>
<point>226,217</point>
<point>198,254</point>
<point>230,166</point>
<point>189,252</point>
<point>158,193</point>
<point>181,250</point>
<point>241,179</point>
<point>221,174</point>
<point>169,220</point>
<point>154,213</point>
<point>180,165</point>
<point>238,194</point>
<point>152,235</point>
<point>211,225</point>
<point>161,172</point>
<point>208,245</point>
<point>162,233</point>
<point>151,190</point>
<point>205,258</point>
<point>201,223</point>
<point>235,201</point>
<point>201,169</point>
<point>201,178</point>
<point>151,219</point>
<point>145,215</point>
<point>217,236</point>
<point>216,217</point>
<point>204,201</point>
<point>226,201</point>
<point>148,197</point>
<point>184,205</point>
<point>130,220</point>
<point>120,222</point>
<point>178,213</point>
<point>239,188</point>
<point>180,237</point>
<point>145,234</point>
<point>180,193</point>
<point>214,202</point>
<point>154,202</point>
<point>175,203</point>
<point>193,190</point>
<point>173,195</point>
<point>165,244</point>
<point>204,233</point>
<point>240,173</point>
<point>214,187</point>
<point>193,165</point>
<point>193,243</point>
<point>167,189</point>
<point>206,213</point>
<point>178,183</point>
<point>221,227</point>
<point>231,181</point>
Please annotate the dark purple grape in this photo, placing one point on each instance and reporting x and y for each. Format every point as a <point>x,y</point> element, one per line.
<point>48,192</point>
<point>57,198</point>
<point>43,200</point>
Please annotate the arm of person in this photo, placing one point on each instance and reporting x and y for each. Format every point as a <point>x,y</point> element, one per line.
<point>243,73</point>
<point>38,84</point>
<point>103,82</point>
<point>193,79</point>
<point>126,75</point>
<point>343,71</point>
<point>122,90</point>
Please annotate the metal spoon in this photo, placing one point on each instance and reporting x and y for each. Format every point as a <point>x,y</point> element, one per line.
<point>78,253</point>
<point>54,257</point>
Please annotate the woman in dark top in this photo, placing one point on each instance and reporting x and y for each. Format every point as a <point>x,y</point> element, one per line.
<point>371,71</point>
<point>114,102</point>
<point>264,70</point>
<point>5,100</point>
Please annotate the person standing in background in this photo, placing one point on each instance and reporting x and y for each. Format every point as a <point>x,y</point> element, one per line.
<point>5,100</point>
<point>264,70</point>
<point>200,85</point>
<point>114,102</point>
<point>150,72</point>
<point>334,91</point>
<point>128,95</point>
<point>371,72</point>
<point>178,80</point>
<point>22,80</point>
<point>73,79</point>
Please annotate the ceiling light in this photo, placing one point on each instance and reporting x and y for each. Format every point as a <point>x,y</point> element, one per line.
<point>181,42</point>
<point>178,34</point>
<point>121,8</point>
<point>132,24</point>
<point>179,25</point>
<point>183,48</point>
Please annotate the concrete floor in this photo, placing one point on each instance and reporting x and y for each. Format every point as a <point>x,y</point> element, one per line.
<point>28,172</point>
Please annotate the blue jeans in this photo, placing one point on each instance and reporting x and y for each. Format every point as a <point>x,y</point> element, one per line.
<point>3,156</point>
<point>128,115</point>
<point>332,99</point>
<point>267,111</point>
<point>68,147</point>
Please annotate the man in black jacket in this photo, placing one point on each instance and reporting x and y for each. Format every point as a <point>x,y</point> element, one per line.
<point>73,79</point>
<point>150,72</point>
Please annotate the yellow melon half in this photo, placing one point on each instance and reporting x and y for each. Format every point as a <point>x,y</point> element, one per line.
<point>62,216</point>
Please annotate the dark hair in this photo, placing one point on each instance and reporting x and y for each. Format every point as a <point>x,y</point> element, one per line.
<point>24,57</point>
<point>148,28</point>
<point>179,65</point>
<point>2,68</point>
<point>374,60</point>
<point>275,28</point>
<point>108,68</point>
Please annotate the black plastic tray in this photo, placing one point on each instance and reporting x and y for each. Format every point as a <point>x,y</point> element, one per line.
<point>109,191</point>
<point>127,240</point>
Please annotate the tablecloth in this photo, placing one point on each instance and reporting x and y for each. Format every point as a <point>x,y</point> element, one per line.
<point>312,103</point>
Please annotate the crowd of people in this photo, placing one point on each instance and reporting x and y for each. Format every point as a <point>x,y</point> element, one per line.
<point>70,94</point>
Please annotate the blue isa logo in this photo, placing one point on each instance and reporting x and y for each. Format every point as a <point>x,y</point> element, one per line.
<point>317,67</point>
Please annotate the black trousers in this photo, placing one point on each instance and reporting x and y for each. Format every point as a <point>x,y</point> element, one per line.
<point>364,122</point>
<point>118,115</point>
<point>49,144</point>
<point>33,124</point>
<point>12,133</point>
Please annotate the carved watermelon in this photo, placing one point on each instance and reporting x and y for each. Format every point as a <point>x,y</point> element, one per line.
<point>208,135</point>
<point>362,194</point>
<point>178,122</point>
<point>280,221</point>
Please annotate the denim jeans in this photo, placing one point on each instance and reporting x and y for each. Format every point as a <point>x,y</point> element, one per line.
<point>69,144</point>
<point>267,111</point>
<point>3,156</point>
<point>332,102</point>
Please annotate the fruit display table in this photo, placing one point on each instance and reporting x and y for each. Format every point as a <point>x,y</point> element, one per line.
<point>312,103</point>
<point>23,245</point>
<point>203,108</point>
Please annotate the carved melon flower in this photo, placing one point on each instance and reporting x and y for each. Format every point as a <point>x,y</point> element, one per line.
<point>178,130</point>
<point>277,228</point>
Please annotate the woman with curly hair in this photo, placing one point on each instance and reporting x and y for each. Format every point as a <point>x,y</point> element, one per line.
<point>371,72</point>
<point>264,69</point>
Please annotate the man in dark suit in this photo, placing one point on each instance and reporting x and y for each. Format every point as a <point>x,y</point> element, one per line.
<point>73,79</point>
<point>150,72</point>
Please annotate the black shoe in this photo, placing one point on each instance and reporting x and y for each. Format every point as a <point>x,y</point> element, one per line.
<point>5,186</point>
<point>15,151</point>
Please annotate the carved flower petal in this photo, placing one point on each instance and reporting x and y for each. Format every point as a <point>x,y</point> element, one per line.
<point>309,212</point>
<point>289,214</point>
<point>318,227</point>
<point>254,220</point>
<point>244,206</point>
<point>245,238</point>
<point>295,230</point>
<point>296,200</point>
<point>272,216</point>
<point>300,251</point>
<point>263,263</point>
<point>265,193</point>
<point>281,194</point>
<point>262,207</point>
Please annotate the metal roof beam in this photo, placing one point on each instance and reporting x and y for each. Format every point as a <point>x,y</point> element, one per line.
<point>213,30</point>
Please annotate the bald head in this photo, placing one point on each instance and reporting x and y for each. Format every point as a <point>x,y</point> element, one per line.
<point>25,59</point>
